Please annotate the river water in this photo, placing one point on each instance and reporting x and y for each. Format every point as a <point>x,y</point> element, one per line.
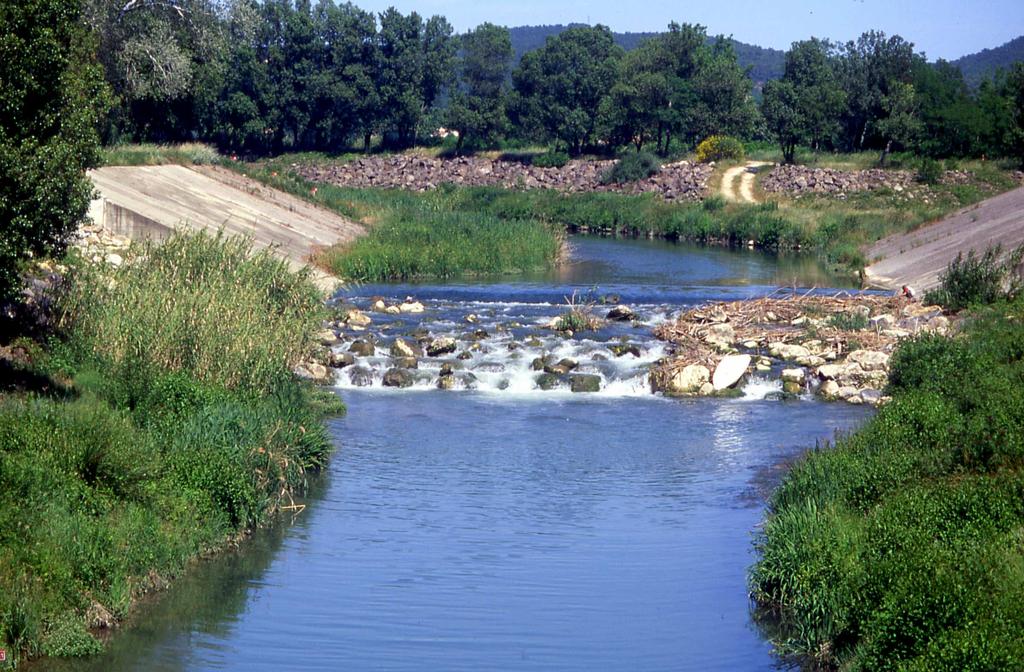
<point>500,526</point>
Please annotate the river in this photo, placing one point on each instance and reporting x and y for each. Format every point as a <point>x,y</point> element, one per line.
<point>499,526</point>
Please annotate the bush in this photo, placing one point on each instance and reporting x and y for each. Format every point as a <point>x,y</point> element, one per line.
<point>929,171</point>
<point>973,280</point>
<point>720,148</point>
<point>631,167</point>
<point>550,159</point>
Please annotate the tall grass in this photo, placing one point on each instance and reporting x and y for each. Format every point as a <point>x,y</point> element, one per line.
<point>205,304</point>
<point>180,427</point>
<point>902,546</point>
<point>190,153</point>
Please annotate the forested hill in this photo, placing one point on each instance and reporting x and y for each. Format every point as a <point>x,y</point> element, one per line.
<point>765,63</point>
<point>983,64</point>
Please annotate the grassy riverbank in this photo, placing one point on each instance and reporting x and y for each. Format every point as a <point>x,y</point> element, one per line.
<point>902,546</point>
<point>158,422</point>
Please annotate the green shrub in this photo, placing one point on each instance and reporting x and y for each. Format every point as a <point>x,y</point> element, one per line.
<point>551,159</point>
<point>974,280</point>
<point>631,167</point>
<point>929,171</point>
<point>720,148</point>
<point>851,321</point>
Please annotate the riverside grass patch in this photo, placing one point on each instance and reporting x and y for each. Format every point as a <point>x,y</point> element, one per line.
<point>171,425</point>
<point>901,546</point>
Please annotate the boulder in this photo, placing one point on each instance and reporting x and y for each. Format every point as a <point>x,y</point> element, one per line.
<point>340,360</point>
<point>791,387</point>
<point>318,373</point>
<point>362,348</point>
<point>793,375</point>
<point>829,389</point>
<point>585,382</point>
<point>357,318</point>
<point>442,345</point>
<point>360,376</point>
<point>411,307</point>
<point>406,363</point>
<point>621,314</point>
<point>327,337</point>
<point>707,389</point>
<point>830,371</point>
<point>720,334</point>
<point>402,349</point>
<point>810,361</point>
<point>873,397</point>
<point>378,305</point>
<point>689,380</point>
<point>788,351</point>
<point>398,378</point>
<point>548,381</point>
<point>729,371</point>
<point>870,360</point>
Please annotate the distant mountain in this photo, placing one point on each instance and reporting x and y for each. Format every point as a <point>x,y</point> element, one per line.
<point>983,64</point>
<point>765,63</point>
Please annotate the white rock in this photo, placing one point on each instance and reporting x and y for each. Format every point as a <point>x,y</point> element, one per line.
<point>793,375</point>
<point>327,337</point>
<point>358,318</point>
<point>690,379</point>
<point>411,307</point>
<point>788,351</point>
<point>729,371</point>
<point>379,305</point>
<point>870,360</point>
<point>392,310</point>
<point>830,371</point>
<point>706,389</point>
<point>829,389</point>
<point>114,259</point>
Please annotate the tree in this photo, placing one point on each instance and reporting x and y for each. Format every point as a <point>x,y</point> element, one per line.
<point>477,106</point>
<point>637,109</point>
<point>804,106</point>
<point>722,103</point>
<point>156,56</point>
<point>565,80</point>
<point>52,95</point>
<point>868,69</point>
<point>900,125</point>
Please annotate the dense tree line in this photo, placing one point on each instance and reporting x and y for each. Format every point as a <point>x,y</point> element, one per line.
<point>876,93</point>
<point>265,76</point>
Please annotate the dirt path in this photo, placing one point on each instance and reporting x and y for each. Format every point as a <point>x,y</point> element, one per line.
<point>919,257</point>
<point>744,176</point>
<point>150,201</point>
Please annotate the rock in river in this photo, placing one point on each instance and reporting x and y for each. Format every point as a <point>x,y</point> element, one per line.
<point>585,382</point>
<point>729,371</point>
<point>621,314</point>
<point>689,380</point>
<point>398,378</point>
<point>442,345</point>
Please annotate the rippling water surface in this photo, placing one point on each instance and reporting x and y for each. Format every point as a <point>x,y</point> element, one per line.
<point>505,527</point>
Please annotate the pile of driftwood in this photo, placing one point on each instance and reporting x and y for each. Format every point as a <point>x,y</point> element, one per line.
<point>836,320</point>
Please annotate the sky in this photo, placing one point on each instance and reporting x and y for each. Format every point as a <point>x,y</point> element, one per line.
<point>941,28</point>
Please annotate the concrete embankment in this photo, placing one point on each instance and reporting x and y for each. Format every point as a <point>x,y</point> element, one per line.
<point>918,258</point>
<point>151,201</point>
